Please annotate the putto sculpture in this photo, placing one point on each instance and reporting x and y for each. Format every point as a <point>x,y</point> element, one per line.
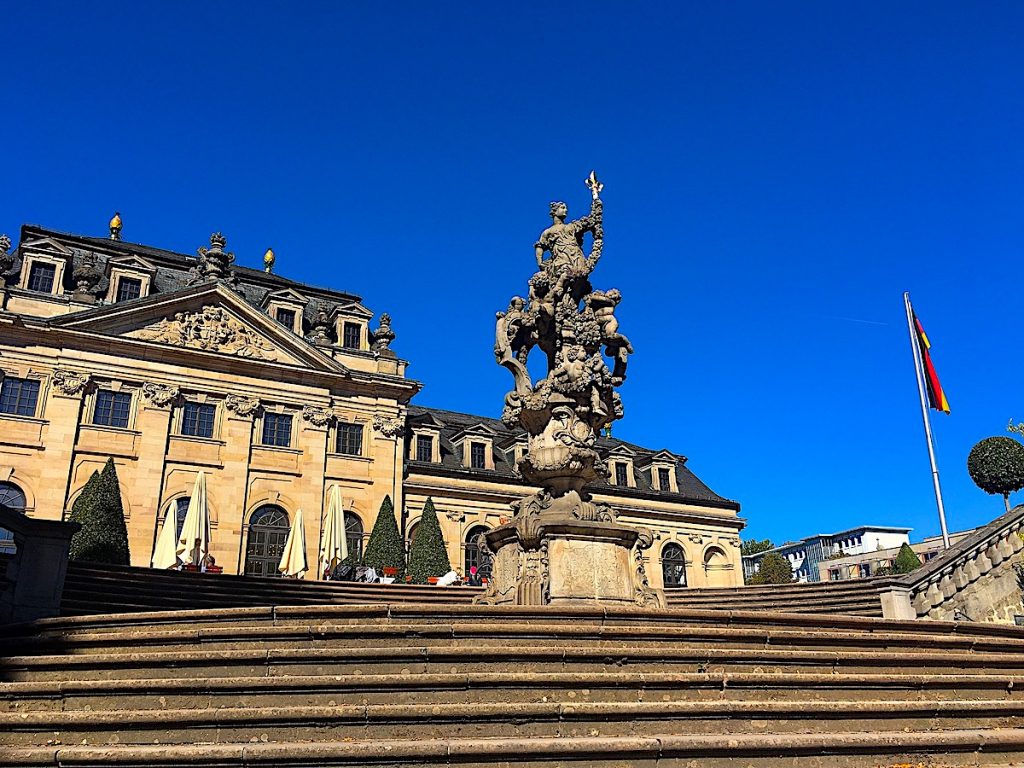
<point>563,414</point>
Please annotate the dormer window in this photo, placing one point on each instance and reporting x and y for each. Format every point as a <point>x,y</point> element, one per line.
<point>424,448</point>
<point>621,473</point>
<point>663,479</point>
<point>128,288</point>
<point>477,455</point>
<point>351,335</point>
<point>41,276</point>
<point>285,317</point>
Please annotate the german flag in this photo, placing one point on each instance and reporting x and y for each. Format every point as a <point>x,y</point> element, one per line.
<point>936,396</point>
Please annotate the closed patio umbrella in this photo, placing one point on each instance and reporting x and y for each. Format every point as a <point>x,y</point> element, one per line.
<point>194,541</point>
<point>333,546</point>
<point>165,555</point>
<point>293,557</point>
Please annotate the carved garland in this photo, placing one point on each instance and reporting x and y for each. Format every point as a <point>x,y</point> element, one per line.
<point>242,406</point>
<point>317,415</point>
<point>70,383</point>
<point>160,395</point>
<point>388,427</point>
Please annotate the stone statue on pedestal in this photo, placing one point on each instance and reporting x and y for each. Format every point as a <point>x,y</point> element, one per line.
<point>561,546</point>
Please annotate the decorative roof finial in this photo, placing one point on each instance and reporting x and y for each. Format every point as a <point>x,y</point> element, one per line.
<point>383,336</point>
<point>268,260</point>
<point>115,226</point>
<point>214,262</point>
<point>6,259</point>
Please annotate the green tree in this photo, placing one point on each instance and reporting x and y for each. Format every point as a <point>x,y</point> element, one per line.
<point>907,560</point>
<point>753,546</point>
<point>103,537</point>
<point>384,549</point>
<point>428,555</point>
<point>775,569</point>
<point>996,465</point>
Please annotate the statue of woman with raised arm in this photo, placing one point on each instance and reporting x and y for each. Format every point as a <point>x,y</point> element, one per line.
<point>564,241</point>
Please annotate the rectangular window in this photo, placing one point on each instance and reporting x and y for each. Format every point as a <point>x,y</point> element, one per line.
<point>865,570</point>
<point>663,479</point>
<point>197,419</point>
<point>478,455</point>
<point>424,448</point>
<point>350,439</point>
<point>128,288</point>
<point>112,408</point>
<point>19,396</point>
<point>277,429</point>
<point>833,574</point>
<point>286,317</point>
<point>40,277</point>
<point>350,335</point>
<point>620,473</point>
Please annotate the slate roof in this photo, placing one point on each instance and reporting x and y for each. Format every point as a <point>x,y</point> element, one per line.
<point>691,488</point>
<point>172,270</point>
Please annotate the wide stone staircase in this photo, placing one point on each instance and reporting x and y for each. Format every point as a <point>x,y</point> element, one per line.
<point>408,684</point>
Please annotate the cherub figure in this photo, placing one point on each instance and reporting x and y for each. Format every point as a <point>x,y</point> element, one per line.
<point>514,332</point>
<point>603,305</point>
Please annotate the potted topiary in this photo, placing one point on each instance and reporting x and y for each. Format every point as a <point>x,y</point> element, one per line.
<point>428,557</point>
<point>103,537</point>
<point>384,550</point>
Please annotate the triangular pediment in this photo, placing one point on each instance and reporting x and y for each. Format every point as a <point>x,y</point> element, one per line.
<point>622,450</point>
<point>353,309</point>
<point>133,262</point>
<point>46,245</point>
<point>663,456</point>
<point>476,430</point>
<point>210,319</point>
<point>287,295</point>
<point>426,420</point>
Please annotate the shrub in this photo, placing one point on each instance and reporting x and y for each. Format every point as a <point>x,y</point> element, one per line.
<point>103,537</point>
<point>384,549</point>
<point>753,546</point>
<point>907,560</point>
<point>775,569</point>
<point>428,555</point>
<point>996,465</point>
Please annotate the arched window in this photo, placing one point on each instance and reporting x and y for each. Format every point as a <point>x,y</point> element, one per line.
<point>12,499</point>
<point>673,566</point>
<point>268,530</point>
<point>354,536</point>
<point>409,534</point>
<point>477,555</point>
<point>180,511</point>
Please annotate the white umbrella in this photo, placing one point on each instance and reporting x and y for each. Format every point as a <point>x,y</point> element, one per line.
<point>293,557</point>
<point>165,556</point>
<point>194,541</point>
<point>333,546</point>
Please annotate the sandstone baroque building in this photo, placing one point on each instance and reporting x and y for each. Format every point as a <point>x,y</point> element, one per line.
<point>277,390</point>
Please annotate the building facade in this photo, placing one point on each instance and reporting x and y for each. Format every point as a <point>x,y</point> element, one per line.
<point>862,565</point>
<point>171,364</point>
<point>807,555</point>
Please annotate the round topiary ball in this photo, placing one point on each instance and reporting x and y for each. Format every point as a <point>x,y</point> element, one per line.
<point>996,465</point>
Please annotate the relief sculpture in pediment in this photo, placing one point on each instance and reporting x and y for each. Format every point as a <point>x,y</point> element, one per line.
<point>211,329</point>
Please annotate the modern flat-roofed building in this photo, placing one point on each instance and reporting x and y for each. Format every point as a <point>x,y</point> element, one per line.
<point>806,554</point>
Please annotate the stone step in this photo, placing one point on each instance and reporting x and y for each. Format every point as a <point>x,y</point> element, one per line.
<point>416,659</point>
<point>847,749</point>
<point>530,719</point>
<point>390,633</point>
<point>480,687</point>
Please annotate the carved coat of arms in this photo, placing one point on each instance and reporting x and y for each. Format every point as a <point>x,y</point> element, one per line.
<point>211,329</point>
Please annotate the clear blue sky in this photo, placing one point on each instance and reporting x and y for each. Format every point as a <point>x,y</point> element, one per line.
<point>777,174</point>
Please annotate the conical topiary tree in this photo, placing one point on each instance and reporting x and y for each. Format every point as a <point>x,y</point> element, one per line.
<point>996,465</point>
<point>384,549</point>
<point>907,560</point>
<point>428,555</point>
<point>103,537</point>
<point>775,569</point>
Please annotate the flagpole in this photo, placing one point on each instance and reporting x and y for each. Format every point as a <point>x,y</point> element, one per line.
<point>919,372</point>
